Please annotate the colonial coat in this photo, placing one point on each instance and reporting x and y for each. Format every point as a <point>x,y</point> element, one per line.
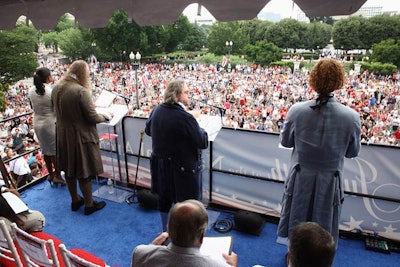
<point>177,141</point>
<point>78,151</point>
<point>321,139</point>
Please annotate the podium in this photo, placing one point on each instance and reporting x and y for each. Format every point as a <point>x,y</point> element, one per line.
<point>117,194</point>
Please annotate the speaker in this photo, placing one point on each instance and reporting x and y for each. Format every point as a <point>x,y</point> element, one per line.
<point>248,222</point>
<point>147,199</point>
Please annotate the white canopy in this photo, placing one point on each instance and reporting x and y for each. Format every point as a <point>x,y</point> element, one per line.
<point>45,14</point>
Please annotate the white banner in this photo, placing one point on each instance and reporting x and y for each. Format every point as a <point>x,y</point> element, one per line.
<point>248,169</point>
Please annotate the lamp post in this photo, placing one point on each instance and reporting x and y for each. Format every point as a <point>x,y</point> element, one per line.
<point>229,45</point>
<point>135,65</point>
<point>94,48</point>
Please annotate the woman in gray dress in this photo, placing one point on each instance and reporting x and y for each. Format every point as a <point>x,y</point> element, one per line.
<point>44,122</point>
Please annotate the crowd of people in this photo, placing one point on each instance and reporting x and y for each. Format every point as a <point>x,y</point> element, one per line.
<point>248,97</point>
<point>251,97</point>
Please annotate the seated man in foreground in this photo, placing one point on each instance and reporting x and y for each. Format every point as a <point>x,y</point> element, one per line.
<point>187,225</point>
<point>310,246</point>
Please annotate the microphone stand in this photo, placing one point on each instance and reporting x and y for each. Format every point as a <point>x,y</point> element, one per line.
<point>127,100</point>
<point>220,109</point>
<point>131,199</point>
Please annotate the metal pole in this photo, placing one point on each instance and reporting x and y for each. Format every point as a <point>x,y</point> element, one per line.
<point>137,91</point>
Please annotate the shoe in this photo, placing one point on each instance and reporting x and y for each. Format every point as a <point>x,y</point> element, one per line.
<point>57,181</point>
<point>50,178</point>
<point>76,205</point>
<point>96,206</point>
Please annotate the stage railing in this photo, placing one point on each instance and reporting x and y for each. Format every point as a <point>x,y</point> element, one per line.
<point>245,169</point>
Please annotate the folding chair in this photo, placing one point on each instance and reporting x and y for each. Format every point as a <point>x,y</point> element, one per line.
<point>34,250</point>
<point>74,260</point>
<point>8,251</point>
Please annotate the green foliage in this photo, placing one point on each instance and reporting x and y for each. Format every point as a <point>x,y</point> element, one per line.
<point>18,57</point>
<point>287,64</point>
<point>357,32</point>
<point>317,35</point>
<point>196,39</point>
<point>263,52</point>
<point>378,68</point>
<point>73,44</point>
<point>287,33</point>
<point>50,40</point>
<point>3,102</point>
<point>387,51</point>
<point>347,33</point>
<point>66,22</point>
<point>323,19</point>
<point>177,33</point>
<point>227,31</point>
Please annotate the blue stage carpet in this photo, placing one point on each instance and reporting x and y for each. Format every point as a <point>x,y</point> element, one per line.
<point>113,232</point>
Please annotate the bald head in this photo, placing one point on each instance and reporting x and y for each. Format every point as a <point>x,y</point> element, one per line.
<point>187,223</point>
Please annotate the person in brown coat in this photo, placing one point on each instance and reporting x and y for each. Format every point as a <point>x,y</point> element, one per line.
<point>78,151</point>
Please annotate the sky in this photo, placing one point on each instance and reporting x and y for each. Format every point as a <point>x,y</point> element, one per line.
<point>283,8</point>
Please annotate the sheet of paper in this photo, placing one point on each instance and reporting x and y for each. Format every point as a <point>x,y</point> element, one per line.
<point>118,111</point>
<point>105,99</point>
<point>214,246</point>
<point>211,124</point>
<point>15,202</point>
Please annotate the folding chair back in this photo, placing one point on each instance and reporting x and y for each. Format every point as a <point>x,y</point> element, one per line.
<point>8,250</point>
<point>34,250</point>
<point>73,260</point>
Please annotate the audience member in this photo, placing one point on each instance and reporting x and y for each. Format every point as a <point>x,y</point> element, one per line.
<point>322,132</point>
<point>44,121</point>
<point>177,141</point>
<point>187,224</point>
<point>29,220</point>
<point>19,167</point>
<point>310,246</point>
<point>78,151</point>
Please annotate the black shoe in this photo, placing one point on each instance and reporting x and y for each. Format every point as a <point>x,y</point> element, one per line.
<point>76,205</point>
<point>57,181</point>
<point>96,206</point>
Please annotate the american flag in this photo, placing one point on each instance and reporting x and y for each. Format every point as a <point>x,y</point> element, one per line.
<point>145,80</point>
<point>224,61</point>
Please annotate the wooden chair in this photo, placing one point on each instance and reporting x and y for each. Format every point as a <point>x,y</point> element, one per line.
<point>72,259</point>
<point>8,251</point>
<point>34,250</point>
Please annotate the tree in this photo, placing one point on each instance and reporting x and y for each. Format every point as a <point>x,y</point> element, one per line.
<point>66,22</point>
<point>74,44</point>
<point>287,33</point>
<point>347,33</point>
<point>50,39</point>
<point>256,29</point>
<point>324,19</point>
<point>18,58</point>
<point>387,51</point>
<point>117,36</point>
<point>317,35</point>
<point>196,39</point>
<point>177,33</point>
<point>263,52</point>
<point>221,32</point>
<point>379,28</point>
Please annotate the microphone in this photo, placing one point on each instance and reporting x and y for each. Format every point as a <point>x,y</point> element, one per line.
<point>203,103</point>
<point>127,100</point>
<point>221,110</point>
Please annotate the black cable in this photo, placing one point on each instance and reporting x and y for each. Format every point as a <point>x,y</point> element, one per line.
<point>223,225</point>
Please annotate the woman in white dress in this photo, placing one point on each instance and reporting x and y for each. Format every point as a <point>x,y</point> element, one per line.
<point>44,122</point>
